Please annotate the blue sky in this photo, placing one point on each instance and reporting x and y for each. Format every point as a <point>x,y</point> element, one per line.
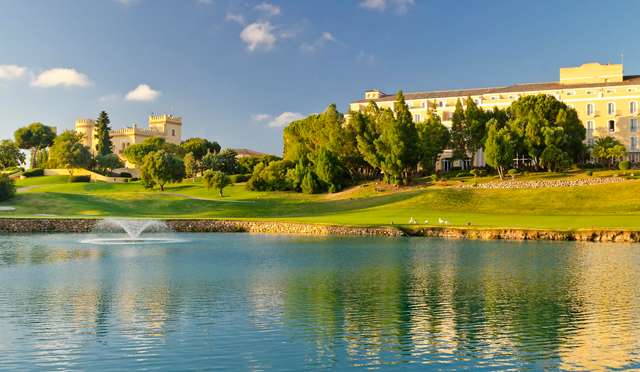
<point>238,71</point>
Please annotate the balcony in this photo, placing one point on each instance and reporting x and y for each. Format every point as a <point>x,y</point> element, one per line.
<point>614,113</point>
<point>593,114</point>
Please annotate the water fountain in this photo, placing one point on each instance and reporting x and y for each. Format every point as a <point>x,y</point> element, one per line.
<point>110,231</point>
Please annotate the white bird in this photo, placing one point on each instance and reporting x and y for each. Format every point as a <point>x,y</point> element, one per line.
<point>411,220</point>
<point>440,220</point>
<point>446,222</point>
<point>426,222</point>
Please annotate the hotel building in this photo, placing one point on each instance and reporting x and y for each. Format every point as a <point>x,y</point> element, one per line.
<point>606,102</point>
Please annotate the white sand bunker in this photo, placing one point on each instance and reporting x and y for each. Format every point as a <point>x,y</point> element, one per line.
<point>7,208</point>
<point>46,215</point>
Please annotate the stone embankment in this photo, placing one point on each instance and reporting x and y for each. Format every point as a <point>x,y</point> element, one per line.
<point>508,184</point>
<point>16,225</point>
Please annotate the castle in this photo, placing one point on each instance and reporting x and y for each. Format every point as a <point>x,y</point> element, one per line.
<point>165,126</point>
<point>606,102</point>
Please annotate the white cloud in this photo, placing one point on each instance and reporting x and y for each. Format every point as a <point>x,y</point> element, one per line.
<point>260,117</point>
<point>258,35</point>
<point>61,76</point>
<point>110,97</point>
<point>11,72</point>
<point>237,18</point>
<point>268,9</point>
<point>284,119</point>
<point>142,93</point>
<point>401,6</point>
<point>365,57</point>
<point>319,44</point>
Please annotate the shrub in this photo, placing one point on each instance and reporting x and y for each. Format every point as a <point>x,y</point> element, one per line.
<point>36,172</point>
<point>309,184</point>
<point>512,172</point>
<point>7,187</point>
<point>132,179</point>
<point>589,173</point>
<point>237,178</point>
<point>125,180</point>
<point>624,166</point>
<point>434,177</point>
<point>454,169</point>
<point>463,174</point>
<point>125,174</point>
<point>397,182</point>
<point>73,179</point>
<point>405,182</point>
<point>526,173</point>
<point>482,173</point>
<point>616,175</point>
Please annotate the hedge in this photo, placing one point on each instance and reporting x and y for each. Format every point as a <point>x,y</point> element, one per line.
<point>126,174</point>
<point>73,179</point>
<point>36,172</point>
<point>237,178</point>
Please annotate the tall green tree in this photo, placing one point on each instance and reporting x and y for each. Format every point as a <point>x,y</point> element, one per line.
<point>34,137</point>
<point>109,162</point>
<point>160,168</point>
<point>475,128</point>
<point>10,155</point>
<point>70,155</point>
<point>498,150</point>
<point>433,140</point>
<point>197,146</point>
<point>190,166</point>
<point>459,133</point>
<point>104,145</point>
<point>328,170</point>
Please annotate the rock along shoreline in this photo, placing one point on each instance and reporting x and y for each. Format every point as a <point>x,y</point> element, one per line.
<point>52,225</point>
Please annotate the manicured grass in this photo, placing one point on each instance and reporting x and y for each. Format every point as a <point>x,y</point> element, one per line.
<point>45,180</point>
<point>614,205</point>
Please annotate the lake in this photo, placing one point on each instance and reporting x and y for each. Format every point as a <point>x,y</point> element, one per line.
<point>290,303</point>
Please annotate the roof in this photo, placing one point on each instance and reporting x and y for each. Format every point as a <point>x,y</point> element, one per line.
<point>247,152</point>
<point>533,87</point>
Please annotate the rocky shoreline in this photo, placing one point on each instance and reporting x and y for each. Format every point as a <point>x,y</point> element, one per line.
<point>510,184</point>
<point>48,225</point>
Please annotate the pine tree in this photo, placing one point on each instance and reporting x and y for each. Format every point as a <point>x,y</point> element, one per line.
<point>458,133</point>
<point>104,144</point>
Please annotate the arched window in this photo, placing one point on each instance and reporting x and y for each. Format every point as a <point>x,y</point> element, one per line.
<point>424,104</point>
<point>173,132</point>
<point>611,126</point>
<point>633,108</point>
<point>590,109</point>
<point>611,108</point>
<point>591,127</point>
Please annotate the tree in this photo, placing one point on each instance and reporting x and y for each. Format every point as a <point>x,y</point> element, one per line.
<point>498,150</point>
<point>34,137</point>
<point>190,166</point>
<point>309,184</point>
<point>70,155</point>
<point>475,128</point>
<point>606,149</point>
<point>216,180</point>
<point>104,145</point>
<point>42,158</point>
<point>196,146</point>
<point>247,163</point>
<point>161,167</point>
<point>617,152</point>
<point>328,170</point>
<point>109,161</point>
<point>10,155</point>
<point>69,136</point>
<point>7,187</point>
<point>512,172</point>
<point>554,158</point>
<point>296,175</point>
<point>230,157</point>
<point>459,133</point>
<point>213,161</point>
<point>137,153</point>
<point>433,138</point>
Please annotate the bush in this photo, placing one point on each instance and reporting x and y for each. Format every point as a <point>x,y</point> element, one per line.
<point>624,166</point>
<point>74,179</point>
<point>237,178</point>
<point>7,187</point>
<point>463,174</point>
<point>455,169</point>
<point>125,180</point>
<point>125,174</point>
<point>482,173</point>
<point>589,173</point>
<point>434,177</point>
<point>132,179</point>
<point>526,173</point>
<point>36,172</point>
<point>397,182</point>
<point>12,170</point>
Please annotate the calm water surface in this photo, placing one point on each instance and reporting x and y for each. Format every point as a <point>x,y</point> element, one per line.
<point>267,302</point>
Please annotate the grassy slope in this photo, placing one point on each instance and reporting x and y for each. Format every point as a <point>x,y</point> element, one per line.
<point>603,206</point>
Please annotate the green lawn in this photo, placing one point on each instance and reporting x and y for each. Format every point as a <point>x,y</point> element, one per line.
<point>602,206</point>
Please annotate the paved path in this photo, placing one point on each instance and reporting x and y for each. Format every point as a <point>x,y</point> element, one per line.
<point>27,188</point>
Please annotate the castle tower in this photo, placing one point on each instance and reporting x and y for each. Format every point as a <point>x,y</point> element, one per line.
<point>88,128</point>
<point>168,125</point>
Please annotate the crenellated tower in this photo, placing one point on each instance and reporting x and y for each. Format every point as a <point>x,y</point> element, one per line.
<point>168,125</point>
<point>89,129</point>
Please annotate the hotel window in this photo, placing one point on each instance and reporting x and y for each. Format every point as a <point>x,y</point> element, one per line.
<point>591,127</point>
<point>571,93</point>
<point>495,98</point>
<point>417,118</point>
<point>633,125</point>
<point>477,101</point>
<point>442,103</point>
<point>173,132</point>
<point>611,108</point>
<point>633,142</point>
<point>513,97</point>
<point>591,141</point>
<point>590,109</point>
<point>611,126</point>
<point>424,104</point>
<point>591,92</point>
<point>632,90</point>
<point>611,90</point>
<point>633,108</point>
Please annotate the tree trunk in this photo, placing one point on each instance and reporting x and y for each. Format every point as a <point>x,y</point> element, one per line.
<point>162,187</point>
<point>220,192</point>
